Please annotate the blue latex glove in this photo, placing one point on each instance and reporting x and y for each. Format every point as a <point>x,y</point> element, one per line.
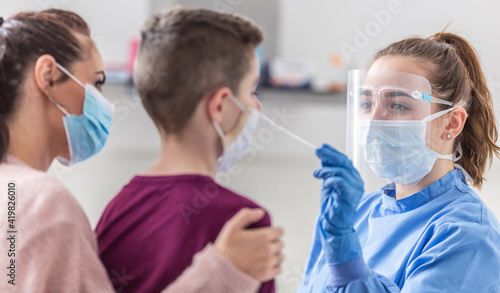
<point>340,196</point>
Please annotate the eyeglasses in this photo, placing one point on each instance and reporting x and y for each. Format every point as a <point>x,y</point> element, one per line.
<point>395,101</point>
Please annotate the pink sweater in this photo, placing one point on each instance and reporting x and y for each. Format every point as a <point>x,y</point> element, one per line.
<point>47,244</point>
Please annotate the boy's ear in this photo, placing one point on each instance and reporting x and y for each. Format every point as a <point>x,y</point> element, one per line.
<point>217,101</point>
<point>456,122</point>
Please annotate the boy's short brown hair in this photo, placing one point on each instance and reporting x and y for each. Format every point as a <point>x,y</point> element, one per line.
<point>187,53</point>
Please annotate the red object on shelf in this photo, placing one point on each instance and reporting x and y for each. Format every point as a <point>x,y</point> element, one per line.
<point>134,46</point>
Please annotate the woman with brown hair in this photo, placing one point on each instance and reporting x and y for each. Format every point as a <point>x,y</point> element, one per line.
<point>51,106</point>
<point>422,120</point>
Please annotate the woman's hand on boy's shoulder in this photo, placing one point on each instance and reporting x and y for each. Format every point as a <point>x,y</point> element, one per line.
<point>256,252</point>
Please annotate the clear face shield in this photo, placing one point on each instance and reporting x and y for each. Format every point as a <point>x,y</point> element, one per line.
<point>389,126</point>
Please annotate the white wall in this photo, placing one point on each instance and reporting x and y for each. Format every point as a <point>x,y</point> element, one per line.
<point>313,29</point>
<point>113,22</point>
<point>263,12</point>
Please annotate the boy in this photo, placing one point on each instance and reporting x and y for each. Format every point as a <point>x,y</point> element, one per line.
<point>205,109</point>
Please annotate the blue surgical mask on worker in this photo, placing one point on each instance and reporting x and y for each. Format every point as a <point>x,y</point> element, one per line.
<point>396,149</point>
<point>239,138</point>
<point>86,133</point>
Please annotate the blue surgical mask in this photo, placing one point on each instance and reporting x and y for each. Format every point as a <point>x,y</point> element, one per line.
<point>86,133</point>
<point>396,149</point>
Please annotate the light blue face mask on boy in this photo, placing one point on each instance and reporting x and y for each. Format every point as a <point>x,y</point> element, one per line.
<point>86,133</point>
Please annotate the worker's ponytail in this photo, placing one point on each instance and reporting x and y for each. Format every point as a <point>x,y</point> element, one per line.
<point>456,75</point>
<point>479,136</point>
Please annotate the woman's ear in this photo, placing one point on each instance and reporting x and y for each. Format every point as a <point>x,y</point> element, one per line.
<point>45,73</point>
<point>216,103</point>
<point>456,122</point>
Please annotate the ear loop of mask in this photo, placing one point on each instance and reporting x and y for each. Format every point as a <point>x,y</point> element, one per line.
<point>70,75</point>
<point>432,117</point>
<point>73,78</point>
<point>457,154</point>
<point>218,129</point>
<point>58,105</point>
<point>217,126</point>
<point>242,108</point>
<point>439,114</point>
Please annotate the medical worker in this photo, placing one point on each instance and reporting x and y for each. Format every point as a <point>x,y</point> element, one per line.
<point>51,106</point>
<point>421,119</point>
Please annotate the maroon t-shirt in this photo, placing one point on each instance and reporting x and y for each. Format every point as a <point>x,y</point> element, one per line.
<point>149,233</point>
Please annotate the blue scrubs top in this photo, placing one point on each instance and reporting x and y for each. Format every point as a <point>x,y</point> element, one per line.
<point>441,239</point>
